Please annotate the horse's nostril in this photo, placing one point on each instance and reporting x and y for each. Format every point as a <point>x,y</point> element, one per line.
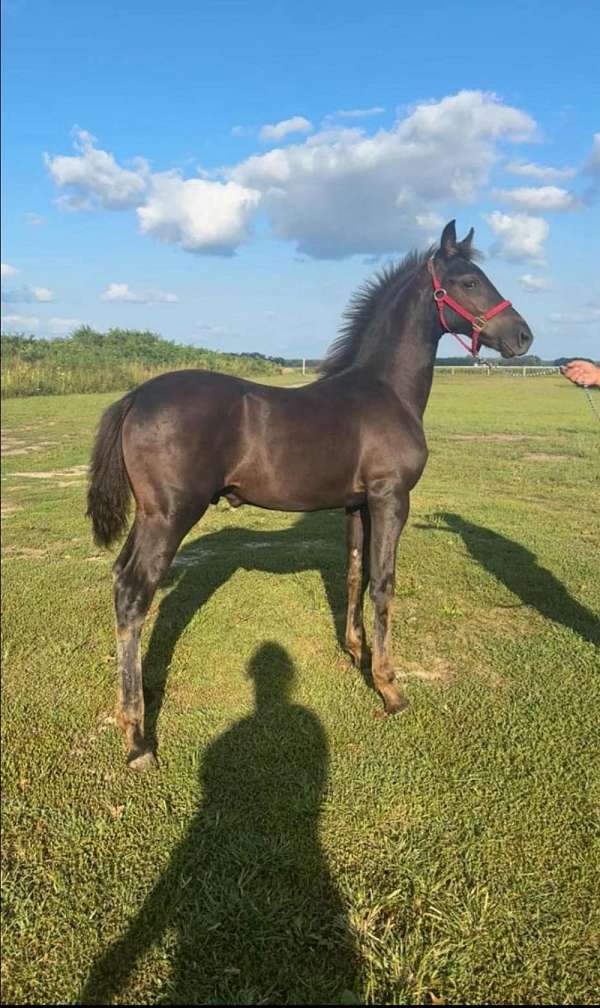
<point>523,338</point>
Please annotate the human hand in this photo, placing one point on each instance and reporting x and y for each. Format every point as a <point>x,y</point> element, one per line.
<point>582,372</point>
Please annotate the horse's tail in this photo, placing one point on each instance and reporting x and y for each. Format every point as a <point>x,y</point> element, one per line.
<point>109,489</point>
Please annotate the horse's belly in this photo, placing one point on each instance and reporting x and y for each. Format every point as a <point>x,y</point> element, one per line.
<point>296,502</point>
<point>304,486</point>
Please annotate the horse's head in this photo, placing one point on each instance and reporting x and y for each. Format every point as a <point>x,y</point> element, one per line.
<point>485,316</point>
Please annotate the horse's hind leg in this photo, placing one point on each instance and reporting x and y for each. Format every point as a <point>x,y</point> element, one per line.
<point>357,579</point>
<point>144,559</point>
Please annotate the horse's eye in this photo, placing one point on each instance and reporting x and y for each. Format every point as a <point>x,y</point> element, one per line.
<point>469,284</point>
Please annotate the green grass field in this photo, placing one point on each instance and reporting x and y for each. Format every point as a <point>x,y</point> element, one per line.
<point>295,846</point>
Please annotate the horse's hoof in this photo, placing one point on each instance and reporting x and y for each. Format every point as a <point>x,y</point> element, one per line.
<point>146,761</point>
<point>397,706</point>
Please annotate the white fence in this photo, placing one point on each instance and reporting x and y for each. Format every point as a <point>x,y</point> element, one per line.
<point>516,372</point>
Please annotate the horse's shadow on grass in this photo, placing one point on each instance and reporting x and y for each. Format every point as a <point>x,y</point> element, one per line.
<point>202,566</point>
<point>518,568</point>
<point>246,910</point>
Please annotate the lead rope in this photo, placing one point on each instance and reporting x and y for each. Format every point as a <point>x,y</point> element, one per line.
<point>590,399</point>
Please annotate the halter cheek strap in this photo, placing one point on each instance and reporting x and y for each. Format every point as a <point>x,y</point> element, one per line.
<point>441,298</point>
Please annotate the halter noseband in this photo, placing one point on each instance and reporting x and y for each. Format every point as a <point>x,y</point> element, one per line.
<point>441,297</point>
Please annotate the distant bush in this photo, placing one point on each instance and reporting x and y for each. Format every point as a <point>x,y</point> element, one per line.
<point>91,361</point>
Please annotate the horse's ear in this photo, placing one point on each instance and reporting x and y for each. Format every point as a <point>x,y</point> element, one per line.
<point>448,246</point>
<point>465,247</point>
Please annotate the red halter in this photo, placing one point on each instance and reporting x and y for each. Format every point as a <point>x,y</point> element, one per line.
<point>441,297</point>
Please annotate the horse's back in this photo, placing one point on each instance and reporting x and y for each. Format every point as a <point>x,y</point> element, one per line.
<point>183,390</point>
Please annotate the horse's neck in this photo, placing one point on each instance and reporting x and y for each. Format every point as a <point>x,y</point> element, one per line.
<point>406,363</point>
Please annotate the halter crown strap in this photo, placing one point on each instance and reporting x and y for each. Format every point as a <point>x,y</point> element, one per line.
<point>441,298</point>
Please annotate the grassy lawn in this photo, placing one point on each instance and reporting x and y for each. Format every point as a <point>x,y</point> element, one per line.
<point>295,846</point>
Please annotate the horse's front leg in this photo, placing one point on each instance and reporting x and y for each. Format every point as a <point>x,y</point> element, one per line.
<point>388,510</point>
<point>357,579</point>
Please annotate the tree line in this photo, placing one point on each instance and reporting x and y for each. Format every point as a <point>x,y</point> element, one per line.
<point>92,361</point>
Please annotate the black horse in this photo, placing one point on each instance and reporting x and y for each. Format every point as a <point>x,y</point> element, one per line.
<point>354,440</point>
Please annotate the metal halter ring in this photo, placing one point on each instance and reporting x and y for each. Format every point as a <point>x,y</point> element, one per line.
<point>479,323</point>
<point>439,294</point>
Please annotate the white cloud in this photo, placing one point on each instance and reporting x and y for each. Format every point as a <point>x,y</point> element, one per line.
<point>42,294</point>
<point>20,323</point>
<point>476,114</point>
<point>336,193</point>
<point>429,221</point>
<point>8,271</point>
<point>35,219</point>
<point>27,295</point>
<point>583,317</point>
<point>74,204</point>
<point>360,113</point>
<point>198,215</point>
<point>342,192</point>
<point>122,292</point>
<point>331,134</point>
<point>519,235</point>
<point>542,172</point>
<point>95,178</point>
<point>533,284</point>
<point>62,326</point>
<point>540,198</point>
<point>277,131</point>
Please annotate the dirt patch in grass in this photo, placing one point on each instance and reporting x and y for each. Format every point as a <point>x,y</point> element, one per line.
<point>547,457</point>
<point>437,670</point>
<point>8,508</point>
<point>321,544</point>
<point>15,446</point>
<point>35,426</point>
<point>53,474</point>
<point>189,557</point>
<point>23,551</point>
<point>496,438</point>
<point>53,550</point>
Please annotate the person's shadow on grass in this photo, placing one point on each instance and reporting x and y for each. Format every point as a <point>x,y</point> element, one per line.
<point>248,894</point>
<point>518,568</point>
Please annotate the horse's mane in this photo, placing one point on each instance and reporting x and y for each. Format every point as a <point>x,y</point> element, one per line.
<point>363,307</point>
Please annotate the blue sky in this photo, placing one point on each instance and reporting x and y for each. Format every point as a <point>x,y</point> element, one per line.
<point>226,173</point>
